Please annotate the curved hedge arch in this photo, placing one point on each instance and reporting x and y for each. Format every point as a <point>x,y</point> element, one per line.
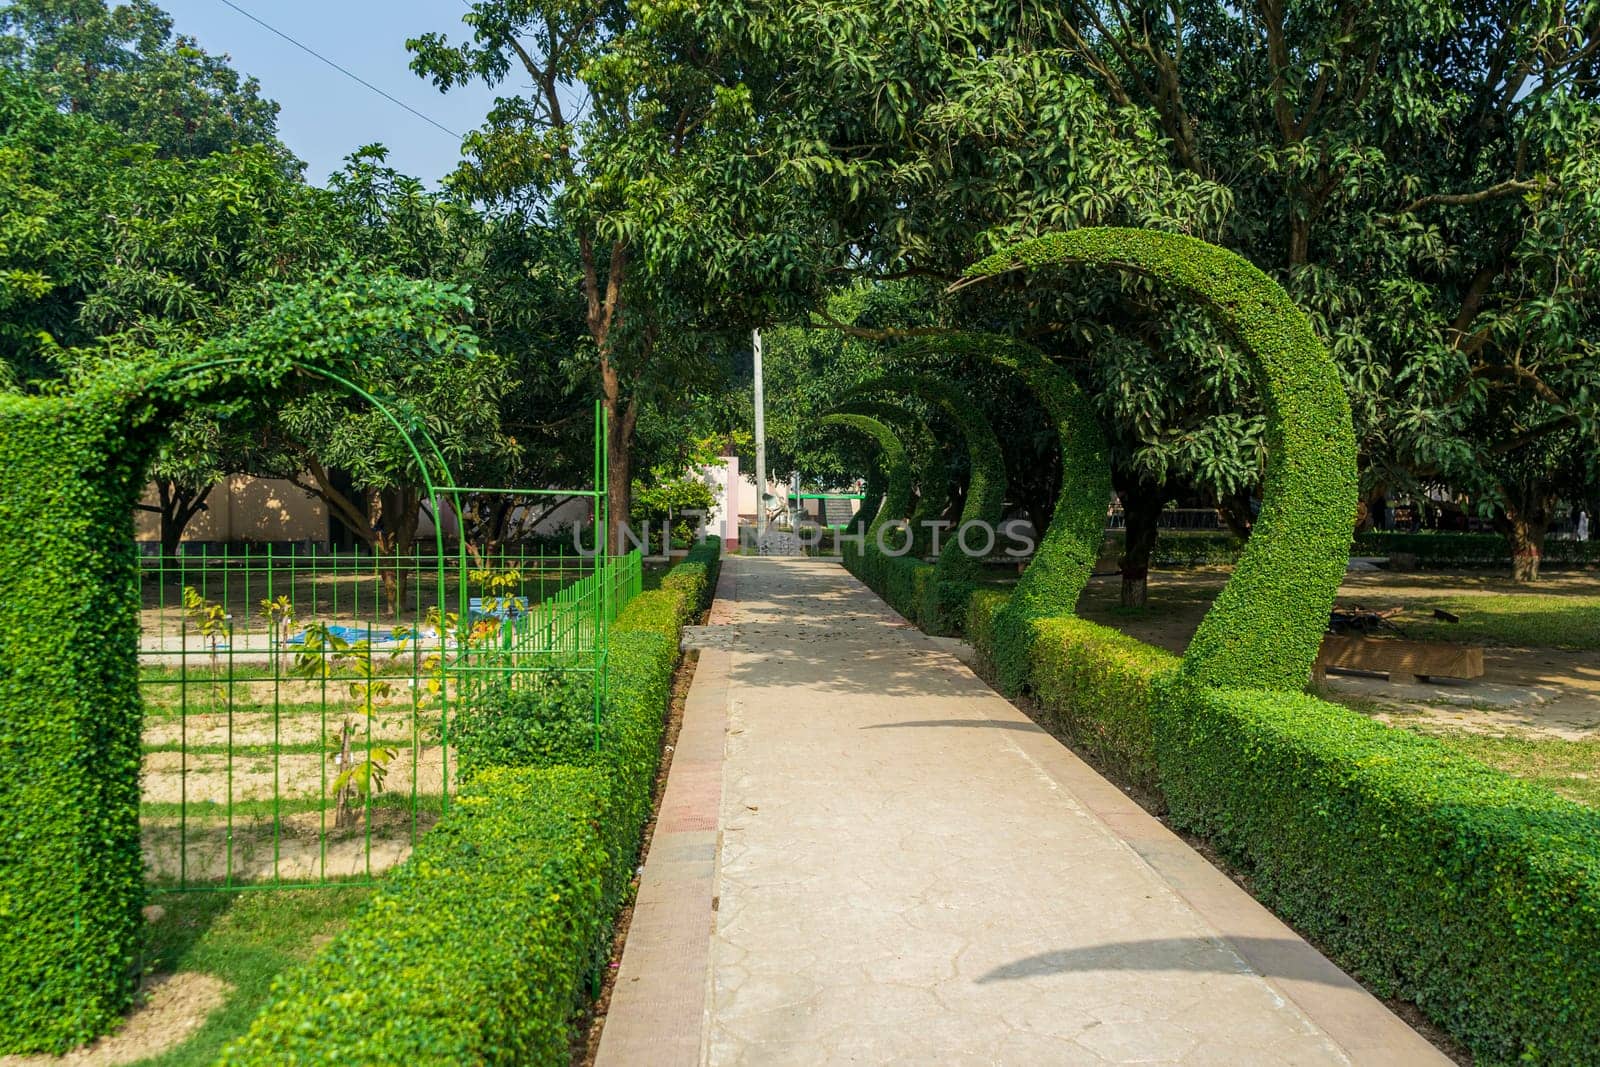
<point>956,572</point>
<point>1066,552</point>
<point>933,471</point>
<point>894,462</point>
<point>72,466</point>
<point>873,489</point>
<point>1266,625</point>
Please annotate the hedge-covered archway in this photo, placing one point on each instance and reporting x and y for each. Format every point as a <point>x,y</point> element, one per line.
<point>1265,627</point>
<point>930,477</point>
<point>1066,551</point>
<point>893,463</point>
<point>72,466</point>
<point>956,572</point>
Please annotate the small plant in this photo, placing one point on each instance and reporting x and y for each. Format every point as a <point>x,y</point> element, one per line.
<point>321,654</point>
<point>501,589</point>
<point>279,615</point>
<point>213,623</point>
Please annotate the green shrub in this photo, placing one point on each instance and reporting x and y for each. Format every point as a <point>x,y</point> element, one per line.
<point>1423,872</point>
<point>547,720</point>
<point>696,576</point>
<point>1098,684</point>
<point>1265,627</point>
<point>905,584</point>
<point>654,505</point>
<point>472,952</point>
<point>660,611</point>
<point>1453,550</point>
<point>477,950</point>
<point>982,607</point>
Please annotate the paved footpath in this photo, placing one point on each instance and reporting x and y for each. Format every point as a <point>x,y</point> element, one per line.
<point>867,856</point>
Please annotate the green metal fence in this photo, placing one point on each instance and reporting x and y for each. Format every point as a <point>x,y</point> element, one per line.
<point>299,703</point>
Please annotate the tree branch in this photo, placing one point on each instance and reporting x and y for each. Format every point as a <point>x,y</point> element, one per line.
<point>1510,187</point>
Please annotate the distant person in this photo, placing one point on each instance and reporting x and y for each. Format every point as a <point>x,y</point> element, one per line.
<point>1582,529</point>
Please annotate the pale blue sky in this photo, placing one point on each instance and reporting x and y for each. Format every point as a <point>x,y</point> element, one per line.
<point>326,115</point>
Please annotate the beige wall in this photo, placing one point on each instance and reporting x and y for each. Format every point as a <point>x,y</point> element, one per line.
<point>243,508</point>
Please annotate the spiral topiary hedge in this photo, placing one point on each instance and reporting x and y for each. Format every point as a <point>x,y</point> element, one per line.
<point>944,599</point>
<point>929,472</point>
<point>866,561</point>
<point>1264,629</point>
<point>1066,552</point>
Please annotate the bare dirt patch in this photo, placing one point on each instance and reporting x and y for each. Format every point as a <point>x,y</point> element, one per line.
<point>216,778</point>
<point>305,846</point>
<point>170,1008</point>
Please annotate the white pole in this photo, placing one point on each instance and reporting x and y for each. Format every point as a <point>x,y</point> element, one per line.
<point>761,443</point>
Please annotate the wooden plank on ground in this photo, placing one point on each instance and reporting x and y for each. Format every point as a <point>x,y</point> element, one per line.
<point>1401,659</point>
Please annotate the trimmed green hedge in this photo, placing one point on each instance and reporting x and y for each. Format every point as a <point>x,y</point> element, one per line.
<point>1099,686</point>
<point>1448,550</point>
<point>1266,625</point>
<point>71,881</point>
<point>1425,873</point>
<point>478,948</point>
<point>1444,551</point>
<point>1428,875</point>
<point>944,601</point>
<point>474,951</point>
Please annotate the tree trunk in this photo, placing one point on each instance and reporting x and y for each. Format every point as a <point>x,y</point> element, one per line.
<point>394,535</point>
<point>1237,515</point>
<point>1142,505</point>
<point>176,508</point>
<point>1524,527</point>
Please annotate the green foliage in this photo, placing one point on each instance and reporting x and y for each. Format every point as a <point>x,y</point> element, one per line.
<point>1435,879</point>
<point>71,881</point>
<point>476,950</point>
<point>473,951</point>
<point>666,500</point>
<point>983,607</point>
<point>1099,685</point>
<point>124,67</point>
<point>546,720</point>
<point>1450,551</point>
<point>1266,625</point>
<point>71,467</point>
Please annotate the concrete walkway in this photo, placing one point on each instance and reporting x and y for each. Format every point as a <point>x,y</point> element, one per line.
<point>895,866</point>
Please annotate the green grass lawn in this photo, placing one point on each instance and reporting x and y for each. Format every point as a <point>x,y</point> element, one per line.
<point>1518,620</point>
<point>245,939</point>
<point>1570,768</point>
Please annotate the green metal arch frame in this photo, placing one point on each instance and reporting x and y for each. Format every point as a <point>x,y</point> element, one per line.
<point>1265,627</point>
<point>410,432</point>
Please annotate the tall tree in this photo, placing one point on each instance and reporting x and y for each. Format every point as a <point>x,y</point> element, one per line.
<point>124,66</point>
<point>634,137</point>
<point>1424,176</point>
